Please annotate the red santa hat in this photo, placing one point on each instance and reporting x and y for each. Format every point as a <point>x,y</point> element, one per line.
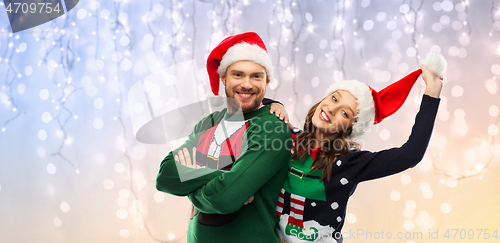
<point>373,106</point>
<point>243,47</point>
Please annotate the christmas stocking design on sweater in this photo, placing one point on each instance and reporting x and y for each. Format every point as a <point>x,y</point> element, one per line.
<point>295,224</point>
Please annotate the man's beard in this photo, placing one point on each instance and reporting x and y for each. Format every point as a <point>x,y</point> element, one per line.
<point>250,106</point>
<point>234,104</point>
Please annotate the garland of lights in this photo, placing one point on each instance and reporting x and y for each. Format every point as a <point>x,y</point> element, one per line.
<point>495,24</point>
<point>7,88</point>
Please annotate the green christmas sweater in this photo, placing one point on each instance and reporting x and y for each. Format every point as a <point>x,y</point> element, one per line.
<point>311,210</point>
<point>237,156</point>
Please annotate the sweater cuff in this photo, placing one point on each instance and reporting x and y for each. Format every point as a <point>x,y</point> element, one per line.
<point>429,105</point>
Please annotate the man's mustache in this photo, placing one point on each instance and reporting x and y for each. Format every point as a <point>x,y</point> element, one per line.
<point>251,90</point>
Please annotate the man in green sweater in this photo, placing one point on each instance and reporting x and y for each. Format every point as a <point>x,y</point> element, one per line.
<point>238,156</point>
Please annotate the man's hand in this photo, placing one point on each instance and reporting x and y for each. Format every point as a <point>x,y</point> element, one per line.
<point>184,158</point>
<point>280,112</point>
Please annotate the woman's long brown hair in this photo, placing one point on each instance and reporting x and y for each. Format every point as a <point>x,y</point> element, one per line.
<point>329,151</point>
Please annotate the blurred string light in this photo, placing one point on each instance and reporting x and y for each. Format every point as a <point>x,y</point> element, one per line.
<point>166,38</point>
<point>483,146</point>
<point>295,7</point>
<point>275,43</point>
<point>410,16</point>
<point>292,25</point>
<point>465,4</point>
<point>356,31</point>
<point>339,38</point>
<point>494,14</point>
<point>228,13</point>
<point>120,27</point>
<point>61,39</point>
<point>56,41</point>
<point>364,26</point>
<point>175,36</point>
<point>217,15</point>
<point>11,76</point>
<point>278,16</point>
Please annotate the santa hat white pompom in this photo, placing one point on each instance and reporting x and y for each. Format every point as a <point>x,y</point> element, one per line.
<point>436,63</point>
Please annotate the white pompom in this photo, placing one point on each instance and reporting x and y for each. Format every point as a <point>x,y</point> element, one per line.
<point>436,63</point>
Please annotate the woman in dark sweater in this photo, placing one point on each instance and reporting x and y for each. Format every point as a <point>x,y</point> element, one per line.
<point>327,163</point>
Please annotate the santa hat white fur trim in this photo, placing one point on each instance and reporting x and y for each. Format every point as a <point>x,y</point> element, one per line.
<point>436,63</point>
<point>366,106</point>
<point>246,52</point>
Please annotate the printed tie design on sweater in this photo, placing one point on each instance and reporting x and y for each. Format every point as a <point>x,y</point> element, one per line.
<point>220,145</point>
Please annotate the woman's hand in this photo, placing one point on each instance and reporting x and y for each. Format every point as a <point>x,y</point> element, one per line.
<point>433,83</point>
<point>280,112</point>
<point>184,158</point>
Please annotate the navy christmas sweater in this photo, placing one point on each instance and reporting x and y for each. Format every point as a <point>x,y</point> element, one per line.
<point>310,210</point>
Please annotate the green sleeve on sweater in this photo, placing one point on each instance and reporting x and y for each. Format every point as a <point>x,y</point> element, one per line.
<point>177,179</point>
<point>267,151</point>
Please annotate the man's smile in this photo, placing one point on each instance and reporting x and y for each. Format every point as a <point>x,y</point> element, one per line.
<point>245,95</point>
